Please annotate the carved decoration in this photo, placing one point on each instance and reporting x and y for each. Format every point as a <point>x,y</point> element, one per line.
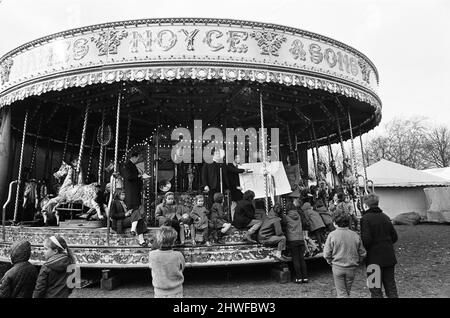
<point>365,70</point>
<point>297,50</point>
<point>108,42</point>
<point>5,70</point>
<point>269,42</point>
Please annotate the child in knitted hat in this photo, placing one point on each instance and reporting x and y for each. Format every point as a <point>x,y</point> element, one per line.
<point>20,280</point>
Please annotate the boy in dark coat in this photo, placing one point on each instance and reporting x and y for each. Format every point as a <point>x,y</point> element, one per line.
<point>294,225</point>
<point>244,216</point>
<point>20,280</point>
<point>271,233</point>
<point>378,236</point>
<point>219,223</point>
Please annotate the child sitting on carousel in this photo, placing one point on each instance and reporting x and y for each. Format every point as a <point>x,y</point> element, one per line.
<point>186,222</point>
<point>123,218</point>
<point>219,222</point>
<point>199,215</point>
<point>168,213</point>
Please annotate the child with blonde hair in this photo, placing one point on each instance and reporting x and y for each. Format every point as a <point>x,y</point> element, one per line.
<point>167,265</point>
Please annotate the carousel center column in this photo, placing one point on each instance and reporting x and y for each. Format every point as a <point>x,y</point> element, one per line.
<point>5,150</point>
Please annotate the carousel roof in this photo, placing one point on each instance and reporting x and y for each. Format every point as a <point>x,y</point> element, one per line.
<point>172,71</point>
<point>386,173</point>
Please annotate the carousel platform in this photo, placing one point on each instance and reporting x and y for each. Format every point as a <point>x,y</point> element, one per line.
<point>92,251</point>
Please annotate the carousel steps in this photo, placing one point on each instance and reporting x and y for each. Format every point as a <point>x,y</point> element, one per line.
<point>91,249</point>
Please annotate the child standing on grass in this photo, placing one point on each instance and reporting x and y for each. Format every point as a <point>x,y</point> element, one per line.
<point>167,265</point>
<point>52,279</point>
<point>344,251</point>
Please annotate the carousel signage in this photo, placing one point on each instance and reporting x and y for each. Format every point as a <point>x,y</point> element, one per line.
<point>215,44</point>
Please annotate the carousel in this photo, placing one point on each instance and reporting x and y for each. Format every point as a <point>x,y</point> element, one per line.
<point>75,105</point>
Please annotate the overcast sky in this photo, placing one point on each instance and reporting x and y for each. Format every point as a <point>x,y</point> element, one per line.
<point>408,41</point>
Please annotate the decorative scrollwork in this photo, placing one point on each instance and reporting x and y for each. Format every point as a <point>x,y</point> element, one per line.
<point>107,42</point>
<point>269,42</point>
<point>365,70</point>
<point>5,70</point>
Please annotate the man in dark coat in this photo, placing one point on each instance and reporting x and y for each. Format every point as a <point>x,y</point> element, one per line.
<point>233,181</point>
<point>20,280</point>
<point>378,236</point>
<point>244,216</point>
<point>211,177</point>
<point>132,182</point>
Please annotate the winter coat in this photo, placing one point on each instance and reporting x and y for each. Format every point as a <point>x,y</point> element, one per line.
<point>233,181</point>
<point>293,226</point>
<point>271,226</point>
<point>327,218</point>
<point>218,217</point>
<point>132,184</point>
<point>378,236</point>
<point>166,212</point>
<point>199,215</point>
<point>20,280</point>
<point>243,214</point>
<point>314,218</point>
<point>52,279</point>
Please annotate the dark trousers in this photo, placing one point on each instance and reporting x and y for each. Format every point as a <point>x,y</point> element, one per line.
<point>298,251</point>
<point>388,281</point>
<point>121,224</point>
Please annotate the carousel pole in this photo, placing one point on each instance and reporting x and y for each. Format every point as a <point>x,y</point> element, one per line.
<point>127,145</point>
<point>113,177</point>
<point>263,143</point>
<point>19,177</point>
<point>66,139</point>
<point>340,136</point>
<point>83,140</point>
<point>33,155</point>
<point>358,193</point>
<point>91,154</point>
<point>362,154</point>
<point>330,159</point>
<point>314,156</point>
<point>316,144</point>
<point>100,157</point>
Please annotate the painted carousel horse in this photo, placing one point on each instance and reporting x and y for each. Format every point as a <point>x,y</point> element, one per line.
<point>70,192</point>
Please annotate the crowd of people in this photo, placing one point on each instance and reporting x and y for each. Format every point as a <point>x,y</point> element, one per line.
<point>345,241</point>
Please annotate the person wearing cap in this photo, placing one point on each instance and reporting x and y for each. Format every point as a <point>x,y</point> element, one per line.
<point>378,236</point>
<point>20,280</point>
<point>54,274</point>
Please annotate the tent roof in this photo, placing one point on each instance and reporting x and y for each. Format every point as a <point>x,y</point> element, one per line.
<point>386,173</point>
<point>440,172</point>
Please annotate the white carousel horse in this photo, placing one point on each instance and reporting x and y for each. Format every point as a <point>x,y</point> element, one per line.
<point>69,192</point>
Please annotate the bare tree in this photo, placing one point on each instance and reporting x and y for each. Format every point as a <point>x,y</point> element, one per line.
<point>404,142</point>
<point>438,146</point>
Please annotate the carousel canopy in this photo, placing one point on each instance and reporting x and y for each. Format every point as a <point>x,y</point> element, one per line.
<point>172,71</point>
